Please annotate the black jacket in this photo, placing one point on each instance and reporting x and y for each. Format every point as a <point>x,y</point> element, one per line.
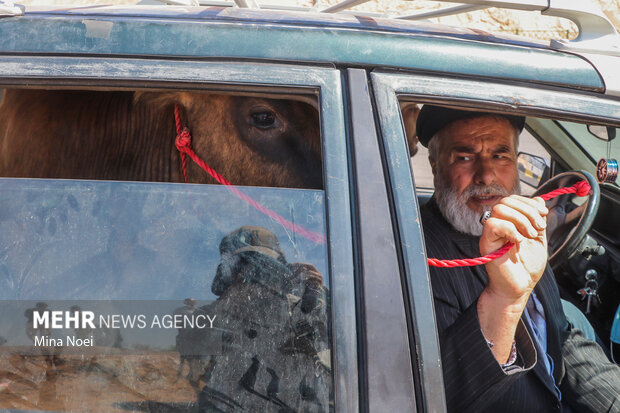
<point>474,381</point>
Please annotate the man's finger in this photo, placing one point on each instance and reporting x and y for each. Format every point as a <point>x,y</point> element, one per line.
<point>521,221</point>
<point>536,202</point>
<point>529,208</point>
<point>542,205</point>
<point>497,229</point>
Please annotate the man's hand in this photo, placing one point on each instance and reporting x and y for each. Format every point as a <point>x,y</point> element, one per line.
<point>513,276</point>
<point>521,221</point>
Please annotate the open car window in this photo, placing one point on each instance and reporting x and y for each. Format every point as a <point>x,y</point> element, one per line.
<point>596,147</point>
<point>572,224</point>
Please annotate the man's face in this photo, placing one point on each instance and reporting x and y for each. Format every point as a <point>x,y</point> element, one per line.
<point>477,166</point>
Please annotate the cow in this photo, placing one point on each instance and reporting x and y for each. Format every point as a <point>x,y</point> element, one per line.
<point>122,135</point>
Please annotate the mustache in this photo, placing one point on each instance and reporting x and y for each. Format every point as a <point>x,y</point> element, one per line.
<point>484,190</point>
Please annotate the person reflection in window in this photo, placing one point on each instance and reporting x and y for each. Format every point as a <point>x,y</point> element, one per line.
<point>273,314</point>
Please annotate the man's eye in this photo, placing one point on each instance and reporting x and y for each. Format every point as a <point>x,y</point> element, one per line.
<point>463,158</point>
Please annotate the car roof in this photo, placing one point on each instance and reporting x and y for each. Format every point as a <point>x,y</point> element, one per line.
<point>319,38</point>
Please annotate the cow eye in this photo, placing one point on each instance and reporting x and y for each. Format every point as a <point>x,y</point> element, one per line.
<point>264,119</point>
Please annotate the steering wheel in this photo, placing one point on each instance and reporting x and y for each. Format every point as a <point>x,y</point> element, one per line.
<point>567,222</point>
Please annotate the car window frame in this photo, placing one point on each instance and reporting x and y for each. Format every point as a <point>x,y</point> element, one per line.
<point>325,83</point>
<point>390,86</point>
<point>386,335</point>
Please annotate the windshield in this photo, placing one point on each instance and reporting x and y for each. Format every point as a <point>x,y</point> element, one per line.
<point>595,148</point>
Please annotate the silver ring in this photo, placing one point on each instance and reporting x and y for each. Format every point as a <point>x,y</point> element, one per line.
<point>485,215</point>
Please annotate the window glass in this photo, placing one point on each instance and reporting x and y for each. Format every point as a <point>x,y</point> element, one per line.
<point>149,296</point>
<point>531,175</point>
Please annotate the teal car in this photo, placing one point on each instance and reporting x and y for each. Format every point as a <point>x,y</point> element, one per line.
<point>304,290</point>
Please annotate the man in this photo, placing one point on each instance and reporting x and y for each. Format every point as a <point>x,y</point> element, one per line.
<point>506,345</point>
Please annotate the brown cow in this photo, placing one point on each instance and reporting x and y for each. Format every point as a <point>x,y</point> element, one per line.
<point>130,136</point>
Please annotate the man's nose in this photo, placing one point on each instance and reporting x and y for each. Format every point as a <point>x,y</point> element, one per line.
<point>485,171</point>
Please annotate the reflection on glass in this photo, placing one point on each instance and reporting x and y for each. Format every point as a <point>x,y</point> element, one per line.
<point>181,297</point>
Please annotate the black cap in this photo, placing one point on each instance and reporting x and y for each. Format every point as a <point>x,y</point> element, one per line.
<point>432,119</point>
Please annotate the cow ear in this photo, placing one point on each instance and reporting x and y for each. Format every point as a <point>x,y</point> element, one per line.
<point>160,100</point>
<point>410,113</point>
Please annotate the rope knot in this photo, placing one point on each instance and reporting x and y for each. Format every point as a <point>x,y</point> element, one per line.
<point>183,141</point>
<point>582,188</point>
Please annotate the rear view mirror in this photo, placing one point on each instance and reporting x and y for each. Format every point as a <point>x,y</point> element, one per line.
<point>532,169</point>
<point>606,133</point>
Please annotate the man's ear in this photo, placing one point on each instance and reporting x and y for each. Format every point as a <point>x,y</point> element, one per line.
<point>410,112</point>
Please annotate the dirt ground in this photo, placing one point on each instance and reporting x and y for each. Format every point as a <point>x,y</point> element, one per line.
<point>102,383</point>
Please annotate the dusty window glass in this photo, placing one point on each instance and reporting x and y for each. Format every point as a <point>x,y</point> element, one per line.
<point>155,296</point>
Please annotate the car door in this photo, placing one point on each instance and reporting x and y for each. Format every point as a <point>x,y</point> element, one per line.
<point>543,106</point>
<point>399,341</point>
<point>152,251</point>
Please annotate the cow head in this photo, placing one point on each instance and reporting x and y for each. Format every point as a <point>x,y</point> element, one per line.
<point>250,140</point>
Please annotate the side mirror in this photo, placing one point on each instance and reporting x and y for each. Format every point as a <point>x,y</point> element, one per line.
<point>533,170</point>
<point>605,133</point>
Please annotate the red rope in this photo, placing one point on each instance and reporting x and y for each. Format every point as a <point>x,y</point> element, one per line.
<point>581,188</point>
<point>183,143</point>
<point>470,262</point>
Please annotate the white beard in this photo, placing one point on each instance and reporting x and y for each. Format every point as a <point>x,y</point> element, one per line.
<point>454,207</point>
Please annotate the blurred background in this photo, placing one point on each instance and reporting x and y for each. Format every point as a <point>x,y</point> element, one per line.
<point>500,21</point>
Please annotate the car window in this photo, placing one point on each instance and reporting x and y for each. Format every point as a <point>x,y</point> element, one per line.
<point>540,106</point>
<point>122,295</point>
